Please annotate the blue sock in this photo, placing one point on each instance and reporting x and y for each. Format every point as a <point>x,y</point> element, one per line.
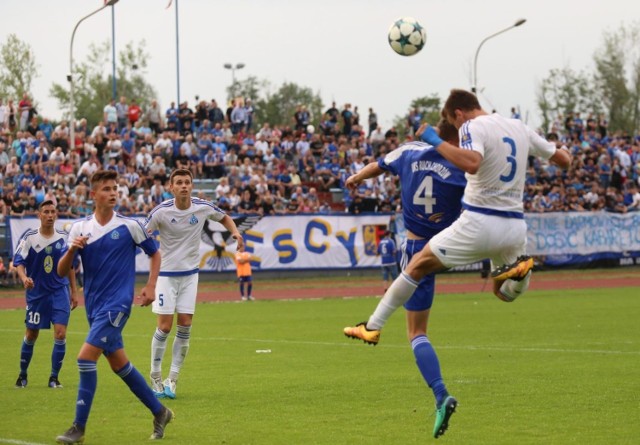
<point>26,352</point>
<point>86,390</point>
<point>57,356</point>
<point>136,383</point>
<point>249,287</point>
<point>429,367</point>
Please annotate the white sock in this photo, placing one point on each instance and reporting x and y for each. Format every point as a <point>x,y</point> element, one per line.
<point>398,293</point>
<point>180,349</point>
<point>513,289</point>
<point>158,346</point>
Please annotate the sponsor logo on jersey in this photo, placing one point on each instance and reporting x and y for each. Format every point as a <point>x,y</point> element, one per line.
<point>173,221</point>
<point>48,264</point>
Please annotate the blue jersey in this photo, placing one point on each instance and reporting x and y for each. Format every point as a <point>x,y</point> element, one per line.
<point>387,251</point>
<point>40,255</point>
<point>431,187</point>
<point>109,261</point>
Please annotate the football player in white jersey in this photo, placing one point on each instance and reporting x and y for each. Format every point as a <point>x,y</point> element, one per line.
<point>179,221</point>
<point>493,152</point>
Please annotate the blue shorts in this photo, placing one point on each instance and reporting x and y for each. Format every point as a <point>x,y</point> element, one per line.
<point>245,279</point>
<point>42,312</point>
<point>105,331</point>
<point>422,297</point>
<point>389,271</point>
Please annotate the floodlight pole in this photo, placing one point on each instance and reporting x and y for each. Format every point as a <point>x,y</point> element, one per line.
<point>474,88</point>
<point>72,118</point>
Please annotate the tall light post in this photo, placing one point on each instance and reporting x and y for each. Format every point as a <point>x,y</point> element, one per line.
<point>474,88</point>
<point>72,123</point>
<point>113,51</point>
<point>233,68</point>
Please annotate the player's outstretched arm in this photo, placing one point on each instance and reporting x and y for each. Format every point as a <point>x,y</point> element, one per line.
<point>466,160</point>
<point>371,170</point>
<point>228,224</point>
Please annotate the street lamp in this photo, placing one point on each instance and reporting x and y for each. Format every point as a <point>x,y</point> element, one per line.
<point>72,118</point>
<point>474,88</point>
<point>238,66</point>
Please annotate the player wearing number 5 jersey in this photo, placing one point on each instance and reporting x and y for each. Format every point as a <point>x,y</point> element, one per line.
<point>493,152</point>
<point>179,222</point>
<point>431,192</point>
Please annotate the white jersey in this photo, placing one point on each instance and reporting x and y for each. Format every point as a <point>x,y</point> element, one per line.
<point>505,145</point>
<point>180,234</point>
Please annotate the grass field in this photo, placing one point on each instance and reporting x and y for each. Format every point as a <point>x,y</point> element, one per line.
<point>552,368</point>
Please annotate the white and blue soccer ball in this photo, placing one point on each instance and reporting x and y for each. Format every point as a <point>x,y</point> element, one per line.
<point>406,36</point>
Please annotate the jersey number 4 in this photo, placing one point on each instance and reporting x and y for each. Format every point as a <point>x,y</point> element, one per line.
<point>424,195</point>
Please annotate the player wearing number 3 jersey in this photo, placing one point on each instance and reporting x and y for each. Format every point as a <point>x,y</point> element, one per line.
<point>493,152</point>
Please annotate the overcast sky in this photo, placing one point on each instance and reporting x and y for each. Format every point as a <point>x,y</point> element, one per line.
<point>337,48</point>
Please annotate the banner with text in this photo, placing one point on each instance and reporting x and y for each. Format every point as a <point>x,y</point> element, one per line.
<point>582,233</point>
<point>276,242</point>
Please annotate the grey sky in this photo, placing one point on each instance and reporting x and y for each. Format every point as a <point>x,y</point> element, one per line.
<point>336,47</point>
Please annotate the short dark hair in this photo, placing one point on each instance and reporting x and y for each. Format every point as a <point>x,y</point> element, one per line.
<point>103,175</point>
<point>448,132</point>
<point>46,202</point>
<point>180,172</point>
<point>460,100</point>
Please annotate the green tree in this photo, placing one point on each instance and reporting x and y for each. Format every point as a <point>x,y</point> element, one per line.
<point>428,106</point>
<point>18,67</point>
<point>612,86</point>
<point>248,89</point>
<point>279,107</point>
<point>93,89</point>
<point>617,76</point>
<point>565,91</point>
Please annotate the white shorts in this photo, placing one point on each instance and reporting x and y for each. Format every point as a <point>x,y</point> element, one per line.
<point>475,236</point>
<point>176,295</point>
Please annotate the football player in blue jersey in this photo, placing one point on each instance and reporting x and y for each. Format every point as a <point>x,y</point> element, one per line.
<point>431,194</point>
<point>48,298</point>
<point>106,243</point>
<point>388,258</point>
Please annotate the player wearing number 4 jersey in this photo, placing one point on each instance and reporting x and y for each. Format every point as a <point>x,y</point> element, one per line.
<point>431,192</point>
<point>179,222</point>
<point>493,152</point>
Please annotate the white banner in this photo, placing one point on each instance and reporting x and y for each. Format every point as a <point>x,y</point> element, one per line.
<point>582,233</point>
<point>276,242</point>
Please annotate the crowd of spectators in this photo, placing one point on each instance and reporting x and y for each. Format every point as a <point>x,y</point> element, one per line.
<point>268,169</point>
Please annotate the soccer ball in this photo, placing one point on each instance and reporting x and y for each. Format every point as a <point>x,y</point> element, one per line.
<point>407,36</point>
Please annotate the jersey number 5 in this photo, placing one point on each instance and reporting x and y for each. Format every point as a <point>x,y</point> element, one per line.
<point>511,159</point>
<point>424,195</point>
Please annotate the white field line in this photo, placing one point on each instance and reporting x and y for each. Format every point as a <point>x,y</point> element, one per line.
<point>18,442</point>
<point>351,343</point>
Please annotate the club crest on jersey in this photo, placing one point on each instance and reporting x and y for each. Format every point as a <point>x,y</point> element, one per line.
<point>48,250</point>
<point>173,221</point>
<point>193,220</point>
<point>59,246</point>
<point>115,235</point>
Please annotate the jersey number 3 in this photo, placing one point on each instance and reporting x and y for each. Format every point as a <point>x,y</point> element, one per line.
<point>424,195</point>
<point>511,159</point>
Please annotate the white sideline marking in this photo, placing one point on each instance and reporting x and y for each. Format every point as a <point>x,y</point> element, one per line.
<point>350,343</point>
<point>19,442</point>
